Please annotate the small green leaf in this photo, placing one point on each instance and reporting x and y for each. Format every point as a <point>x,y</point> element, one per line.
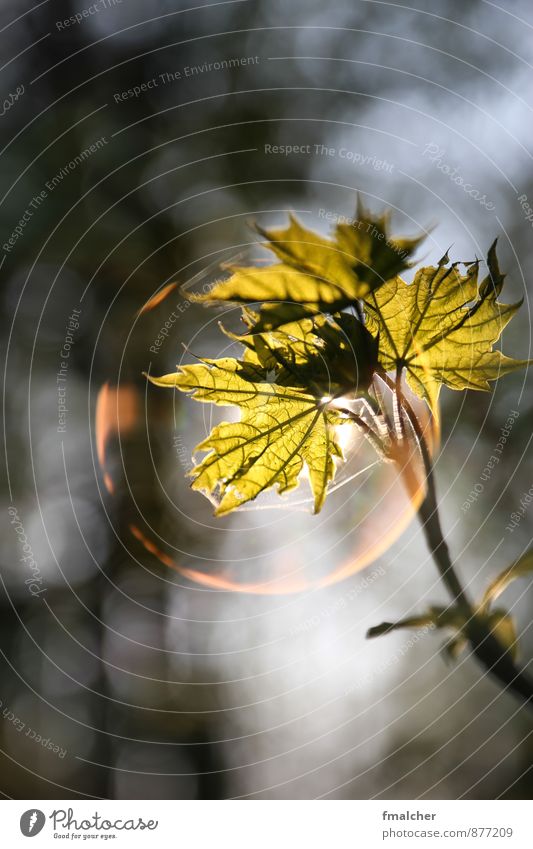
<point>436,617</point>
<point>502,626</point>
<point>522,567</point>
<point>423,621</point>
<point>498,621</point>
<point>455,646</point>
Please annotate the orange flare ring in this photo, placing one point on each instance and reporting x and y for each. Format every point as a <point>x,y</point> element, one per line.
<point>156,299</point>
<point>117,413</point>
<point>286,585</point>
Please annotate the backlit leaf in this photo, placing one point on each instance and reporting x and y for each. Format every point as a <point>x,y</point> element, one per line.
<point>283,387</point>
<point>316,274</point>
<point>376,256</point>
<point>441,328</point>
<point>332,357</point>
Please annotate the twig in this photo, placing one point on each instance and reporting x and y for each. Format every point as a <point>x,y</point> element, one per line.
<point>485,645</point>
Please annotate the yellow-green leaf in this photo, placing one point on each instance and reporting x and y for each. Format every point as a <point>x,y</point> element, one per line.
<point>375,255</point>
<point>520,569</point>
<point>436,617</point>
<point>281,430</point>
<point>498,621</point>
<point>316,274</point>
<point>331,357</point>
<point>312,254</point>
<point>502,626</point>
<point>441,328</point>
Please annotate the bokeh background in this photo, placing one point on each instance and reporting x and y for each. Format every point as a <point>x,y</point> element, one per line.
<point>120,676</point>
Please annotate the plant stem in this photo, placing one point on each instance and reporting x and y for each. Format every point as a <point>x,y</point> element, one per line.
<point>485,645</point>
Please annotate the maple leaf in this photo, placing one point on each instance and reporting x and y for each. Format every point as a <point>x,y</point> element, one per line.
<point>286,422</point>
<point>332,357</point>
<point>316,274</point>
<point>332,314</point>
<point>441,328</point>
<point>281,428</point>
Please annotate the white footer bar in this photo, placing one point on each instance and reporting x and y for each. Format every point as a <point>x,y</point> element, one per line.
<point>268,824</point>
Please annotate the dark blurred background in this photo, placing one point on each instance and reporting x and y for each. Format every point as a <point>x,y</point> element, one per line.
<point>133,155</point>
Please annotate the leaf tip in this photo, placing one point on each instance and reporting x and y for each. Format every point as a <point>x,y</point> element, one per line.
<point>379,630</point>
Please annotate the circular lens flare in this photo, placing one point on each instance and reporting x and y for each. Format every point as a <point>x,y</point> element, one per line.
<point>276,548</point>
